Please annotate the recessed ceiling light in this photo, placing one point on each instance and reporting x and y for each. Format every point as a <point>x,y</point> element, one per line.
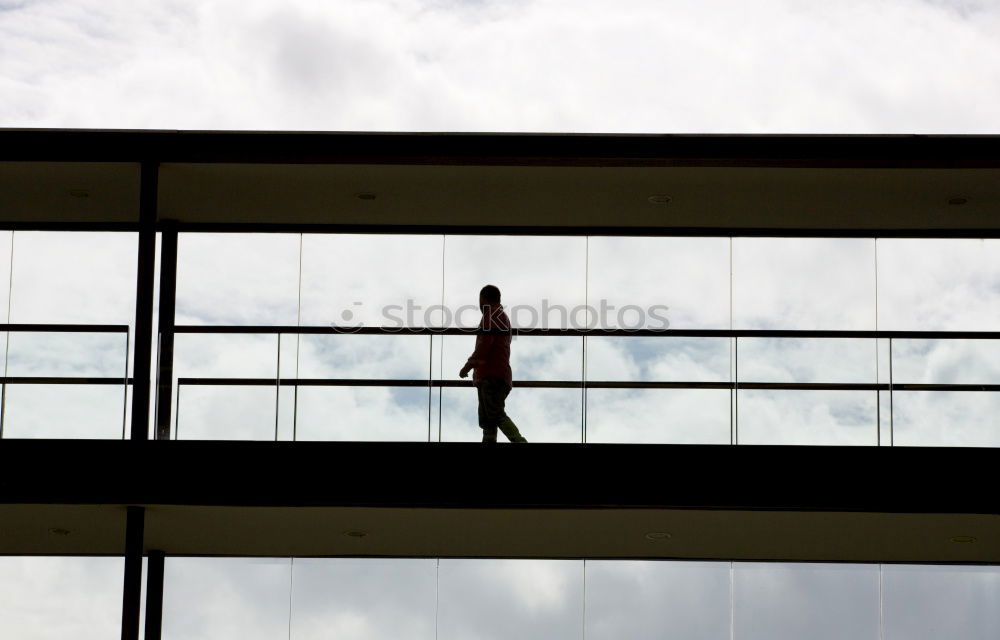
<point>657,535</point>
<point>963,539</point>
<point>59,531</point>
<point>365,195</point>
<point>659,199</point>
<point>355,533</point>
<point>957,200</point>
<point>79,193</point>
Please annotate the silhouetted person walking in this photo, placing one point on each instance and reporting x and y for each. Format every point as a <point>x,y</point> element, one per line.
<point>490,366</point>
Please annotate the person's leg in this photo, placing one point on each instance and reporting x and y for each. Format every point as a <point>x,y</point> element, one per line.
<point>507,425</point>
<point>489,430</point>
<point>510,430</point>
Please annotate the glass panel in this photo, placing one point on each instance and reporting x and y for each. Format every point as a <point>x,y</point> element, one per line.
<point>946,361</point>
<point>939,284</point>
<point>541,415</point>
<point>66,354</point>
<point>371,280</point>
<point>362,413</point>
<point>945,418</point>
<point>804,283</point>
<point>226,598</point>
<point>664,359</point>
<point>819,360</point>
<point>654,599</point>
<point>659,416</point>
<point>61,597</point>
<point>503,599</point>
<point>225,355</point>
<point>690,276</point>
<point>237,278</point>
<point>924,602</point>
<point>364,599</point>
<point>777,601</point>
<point>541,278</point>
<point>64,411</point>
<point>365,356</point>
<point>73,277</point>
<point>806,417</point>
<point>226,412</point>
<point>531,357</point>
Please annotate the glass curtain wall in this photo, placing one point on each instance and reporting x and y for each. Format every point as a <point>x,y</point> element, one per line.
<point>779,368</point>
<point>374,598</point>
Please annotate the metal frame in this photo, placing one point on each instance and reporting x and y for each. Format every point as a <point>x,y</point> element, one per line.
<point>132,583</point>
<point>146,264</point>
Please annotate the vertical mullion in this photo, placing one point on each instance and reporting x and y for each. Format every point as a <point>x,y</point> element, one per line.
<point>891,417</point>
<point>132,583</point>
<point>430,383</point>
<point>165,352</point>
<point>128,340</point>
<point>145,281</point>
<point>154,595</point>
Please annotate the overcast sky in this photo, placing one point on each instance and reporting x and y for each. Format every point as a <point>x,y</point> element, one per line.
<point>863,66</point>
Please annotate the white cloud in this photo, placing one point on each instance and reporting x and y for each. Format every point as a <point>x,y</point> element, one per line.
<point>544,65</point>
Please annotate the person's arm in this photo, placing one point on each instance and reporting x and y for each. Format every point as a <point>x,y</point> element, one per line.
<point>478,357</point>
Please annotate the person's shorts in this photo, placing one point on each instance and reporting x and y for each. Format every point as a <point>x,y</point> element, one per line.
<point>492,394</point>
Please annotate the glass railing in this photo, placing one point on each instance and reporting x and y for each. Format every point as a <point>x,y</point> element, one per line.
<point>866,388</point>
<point>64,381</point>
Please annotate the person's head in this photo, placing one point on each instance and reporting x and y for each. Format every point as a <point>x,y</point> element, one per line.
<point>489,296</point>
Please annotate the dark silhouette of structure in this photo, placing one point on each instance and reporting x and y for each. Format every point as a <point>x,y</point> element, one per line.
<point>153,496</point>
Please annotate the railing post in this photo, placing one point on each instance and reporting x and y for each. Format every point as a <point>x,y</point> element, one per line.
<point>165,351</point>
<point>148,186</point>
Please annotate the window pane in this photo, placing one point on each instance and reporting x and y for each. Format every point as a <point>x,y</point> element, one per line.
<point>804,283</point>
<point>370,280</point>
<point>540,278</point>
<point>541,415</point>
<point>364,356</point>
<point>939,284</point>
<point>659,416</point>
<point>237,278</point>
<point>778,601</point>
<point>66,354</point>
<point>226,598</point>
<point>221,355</point>
<point>946,361</point>
<point>690,276</point>
<point>945,418</point>
<point>666,359</point>
<point>812,360</point>
<point>363,599</point>
<point>649,600</point>
<point>924,602</point>
<point>43,598</point>
<point>806,417</point>
<point>64,411</point>
<point>73,277</point>
<point>362,413</point>
<point>503,599</point>
<point>226,412</point>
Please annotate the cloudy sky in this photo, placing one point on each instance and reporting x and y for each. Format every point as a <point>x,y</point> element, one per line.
<point>774,66</point>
